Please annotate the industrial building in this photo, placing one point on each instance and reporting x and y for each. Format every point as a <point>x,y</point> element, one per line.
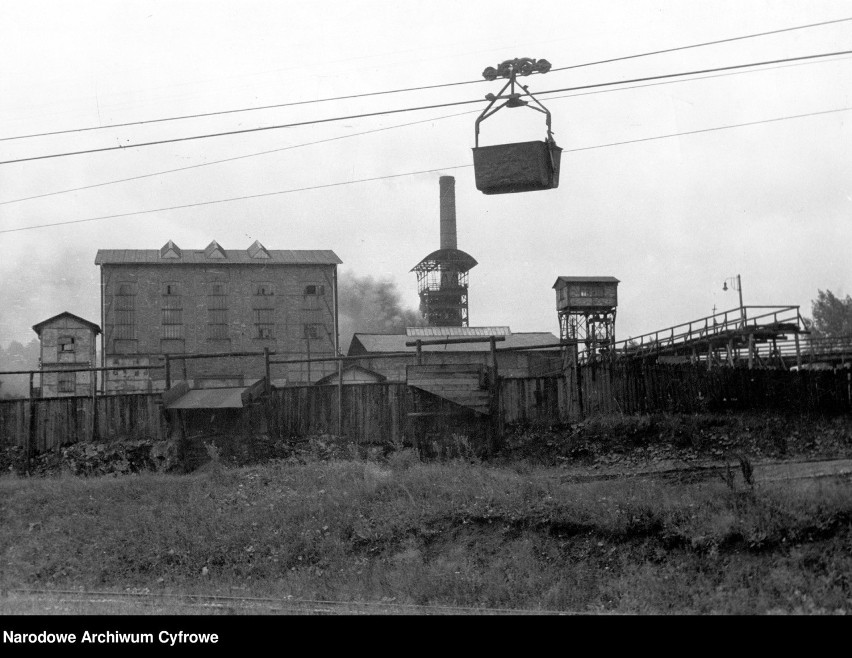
<point>517,353</point>
<point>442,276</point>
<point>67,342</point>
<point>175,302</point>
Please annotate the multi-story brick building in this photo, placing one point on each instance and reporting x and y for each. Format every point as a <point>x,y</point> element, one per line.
<point>67,342</point>
<point>178,301</point>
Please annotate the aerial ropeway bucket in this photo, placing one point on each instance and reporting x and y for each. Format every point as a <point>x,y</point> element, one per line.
<point>520,166</point>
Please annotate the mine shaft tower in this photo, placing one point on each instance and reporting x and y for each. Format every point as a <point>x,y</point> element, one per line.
<point>586,306</point>
<point>442,277</point>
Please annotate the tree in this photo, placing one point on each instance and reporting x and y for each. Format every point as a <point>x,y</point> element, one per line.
<point>832,315</point>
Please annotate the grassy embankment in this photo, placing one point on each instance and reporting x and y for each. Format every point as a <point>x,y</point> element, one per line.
<point>436,534</point>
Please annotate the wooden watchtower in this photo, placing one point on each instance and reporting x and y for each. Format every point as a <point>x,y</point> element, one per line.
<point>586,306</point>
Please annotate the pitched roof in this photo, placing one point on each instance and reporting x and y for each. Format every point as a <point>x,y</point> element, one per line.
<point>218,255</point>
<point>352,368</point>
<point>454,258</point>
<point>585,279</point>
<point>38,327</point>
<point>383,343</point>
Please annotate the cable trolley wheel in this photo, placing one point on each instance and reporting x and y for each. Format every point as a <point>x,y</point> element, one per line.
<point>520,166</point>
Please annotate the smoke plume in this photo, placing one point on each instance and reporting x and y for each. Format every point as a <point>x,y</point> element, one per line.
<point>369,305</point>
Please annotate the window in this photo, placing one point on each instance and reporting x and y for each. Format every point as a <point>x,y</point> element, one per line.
<point>264,322</point>
<point>263,290</point>
<point>66,382</point>
<point>217,312</point>
<point>125,312</point>
<point>172,323</point>
<point>315,290</point>
<point>312,331</point>
<point>66,344</point>
<point>172,312</point>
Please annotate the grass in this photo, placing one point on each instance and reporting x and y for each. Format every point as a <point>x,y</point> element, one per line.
<point>434,534</point>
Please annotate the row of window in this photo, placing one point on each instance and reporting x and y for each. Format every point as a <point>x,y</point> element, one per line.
<point>575,290</point>
<point>217,326</point>
<point>124,327</point>
<point>174,289</point>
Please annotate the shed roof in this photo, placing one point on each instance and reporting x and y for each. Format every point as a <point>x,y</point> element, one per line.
<point>38,327</point>
<point>363,344</point>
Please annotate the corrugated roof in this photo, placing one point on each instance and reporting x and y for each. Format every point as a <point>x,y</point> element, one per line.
<point>381,343</point>
<point>586,279</point>
<point>233,257</point>
<point>420,332</point>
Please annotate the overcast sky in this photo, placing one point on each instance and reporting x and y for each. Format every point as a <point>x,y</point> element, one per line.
<point>670,218</point>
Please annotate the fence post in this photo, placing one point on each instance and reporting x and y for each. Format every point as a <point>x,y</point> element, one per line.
<point>419,352</point>
<point>94,434</point>
<point>798,351</point>
<point>267,369</point>
<point>340,398</point>
<point>578,377</point>
<point>751,351</point>
<point>495,395</point>
<point>168,372</point>
<point>185,372</point>
<point>31,429</point>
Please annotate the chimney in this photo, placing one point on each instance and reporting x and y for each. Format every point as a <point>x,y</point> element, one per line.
<point>448,212</point>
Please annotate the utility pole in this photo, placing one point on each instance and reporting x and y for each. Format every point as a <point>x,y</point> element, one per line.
<point>739,287</point>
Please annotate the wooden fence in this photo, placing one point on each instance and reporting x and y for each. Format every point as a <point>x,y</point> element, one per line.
<point>372,413</point>
<point>48,423</point>
<point>637,388</point>
<point>381,413</point>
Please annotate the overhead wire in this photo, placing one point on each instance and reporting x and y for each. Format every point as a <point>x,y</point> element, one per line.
<point>238,157</point>
<point>414,109</point>
<point>411,173</point>
<point>699,45</point>
<point>376,130</point>
<point>419,88</point>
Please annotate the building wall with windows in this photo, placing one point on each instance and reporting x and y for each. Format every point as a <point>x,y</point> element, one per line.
<point>173,301</point>
<point>69,342</point>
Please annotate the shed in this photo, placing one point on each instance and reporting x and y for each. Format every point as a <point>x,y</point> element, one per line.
<point>67,342</point>
<point>586,292</point>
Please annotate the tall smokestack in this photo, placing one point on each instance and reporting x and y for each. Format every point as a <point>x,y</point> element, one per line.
<point>448,212</point>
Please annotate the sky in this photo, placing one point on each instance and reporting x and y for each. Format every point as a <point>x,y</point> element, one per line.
<point>671,218</point>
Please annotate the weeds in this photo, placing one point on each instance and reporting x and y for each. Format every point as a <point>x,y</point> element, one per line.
<point>450,533</point>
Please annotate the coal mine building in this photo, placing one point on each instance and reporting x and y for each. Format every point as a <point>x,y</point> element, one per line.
<point>519,354</point>
<point>175,301</point>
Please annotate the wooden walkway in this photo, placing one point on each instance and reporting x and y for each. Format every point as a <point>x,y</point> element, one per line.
<point>465,385</point>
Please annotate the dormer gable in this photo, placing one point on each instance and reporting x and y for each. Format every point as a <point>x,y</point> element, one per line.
<point>213,250</point>
<point>257,250</point>
<point>170,250</point>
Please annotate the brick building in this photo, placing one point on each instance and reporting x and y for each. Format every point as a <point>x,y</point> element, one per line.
<point>66,342</point>
<point>178,301</point>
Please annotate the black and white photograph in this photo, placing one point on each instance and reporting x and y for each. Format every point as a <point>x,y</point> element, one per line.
<point>422,308</point>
